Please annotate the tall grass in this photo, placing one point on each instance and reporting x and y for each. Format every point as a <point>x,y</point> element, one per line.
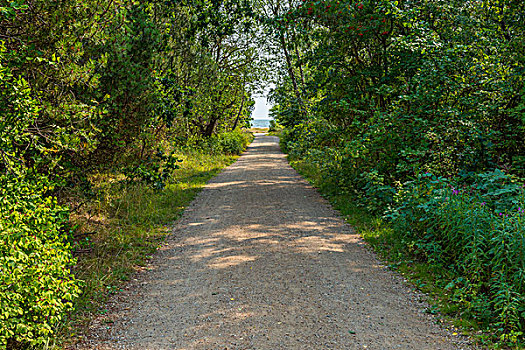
<point>478,238</point>
<point>120,231</point>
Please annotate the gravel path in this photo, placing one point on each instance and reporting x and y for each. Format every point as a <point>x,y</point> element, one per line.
<point>261,261</point>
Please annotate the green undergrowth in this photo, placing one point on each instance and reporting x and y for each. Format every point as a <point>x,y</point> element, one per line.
<point>119,232</point>
<point>431,279</point>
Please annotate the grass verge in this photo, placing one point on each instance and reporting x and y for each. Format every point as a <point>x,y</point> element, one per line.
<point>120,231</point>
<point>427,278</point>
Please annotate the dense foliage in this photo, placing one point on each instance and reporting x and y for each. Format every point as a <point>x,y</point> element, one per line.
<point>102,87</point>
<point>416,110</point>
<point>36,287</point>
<point>476,232</point>
<point>108,75</point>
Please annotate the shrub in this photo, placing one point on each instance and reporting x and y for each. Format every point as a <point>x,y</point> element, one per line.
<point>342,163</point>
<point>275,126</point>
<point>154,171</point>
<point>454,225</point>
<point>36,285</point>
<point>233,142</point>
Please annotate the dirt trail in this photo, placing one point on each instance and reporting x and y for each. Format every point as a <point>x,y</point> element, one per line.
<point>261,261</point>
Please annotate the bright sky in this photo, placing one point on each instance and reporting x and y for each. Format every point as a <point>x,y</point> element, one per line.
<point>261,108</point>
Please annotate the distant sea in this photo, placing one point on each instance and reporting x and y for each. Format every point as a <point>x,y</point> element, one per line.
<point>260,123</point>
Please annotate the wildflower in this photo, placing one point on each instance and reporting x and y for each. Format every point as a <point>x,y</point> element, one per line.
<point>483,204</point>
<point>500,214</point>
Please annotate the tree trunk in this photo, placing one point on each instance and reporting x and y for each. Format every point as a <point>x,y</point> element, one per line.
<point>290,67</point>
<point>210,128</point>
<point>239,113</point>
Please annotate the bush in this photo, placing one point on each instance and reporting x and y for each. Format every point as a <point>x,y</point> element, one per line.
<point>275,126</point>
<point>36,285</point>
<point>234,142</point>
<point>476,232</point>
<point>155,171</point>
<point>342,163</point>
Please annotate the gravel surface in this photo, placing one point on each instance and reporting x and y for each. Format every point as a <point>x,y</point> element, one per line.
<point>261,261</point>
